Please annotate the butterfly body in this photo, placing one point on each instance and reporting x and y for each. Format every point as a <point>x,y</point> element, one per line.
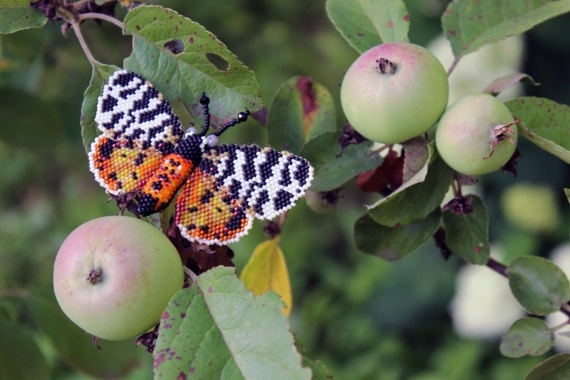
<point>218,190</point>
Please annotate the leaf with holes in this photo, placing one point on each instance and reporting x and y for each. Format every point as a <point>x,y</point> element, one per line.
<point>367,23</point>
<point>545,123</point>
<point>218,329</point>
<point>182,59</point>
<point>538,284</point>
<point>527,337</point>
<point>467,235</point>
<point>300,111</point>
<point>471,24</point>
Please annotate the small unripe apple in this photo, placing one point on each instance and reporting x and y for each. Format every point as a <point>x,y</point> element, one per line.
<point>113,276</point>
<point>476,135</point>
<point>394,92</point>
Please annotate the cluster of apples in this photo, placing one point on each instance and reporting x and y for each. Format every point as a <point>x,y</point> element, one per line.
<point>397,91</point>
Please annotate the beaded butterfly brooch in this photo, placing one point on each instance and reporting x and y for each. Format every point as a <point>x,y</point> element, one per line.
<point>219,190</point>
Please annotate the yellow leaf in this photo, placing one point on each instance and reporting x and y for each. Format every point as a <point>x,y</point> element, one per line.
<point>267,270</point>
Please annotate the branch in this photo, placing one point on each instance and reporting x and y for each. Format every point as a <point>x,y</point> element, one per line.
<point>100,16</point>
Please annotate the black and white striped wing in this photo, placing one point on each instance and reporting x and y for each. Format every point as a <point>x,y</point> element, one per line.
<point>265,181</point>
<point>131,109</point>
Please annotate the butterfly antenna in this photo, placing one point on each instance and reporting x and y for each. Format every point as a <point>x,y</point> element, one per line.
<point>242,116</point>
<point>204,101</point>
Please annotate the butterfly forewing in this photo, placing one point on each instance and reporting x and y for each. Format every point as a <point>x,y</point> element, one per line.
<point>131,108</point>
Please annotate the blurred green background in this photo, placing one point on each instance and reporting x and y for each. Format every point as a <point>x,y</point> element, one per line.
<point>364,318</point>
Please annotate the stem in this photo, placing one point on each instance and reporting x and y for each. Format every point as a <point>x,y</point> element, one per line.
<point>77,30</point>
<point>498,267</point>
<point>452,67</point>
<point>112,20</point>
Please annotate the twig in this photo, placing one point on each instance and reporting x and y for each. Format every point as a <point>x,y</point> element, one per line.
<point>498,267</point>
<point>100,16</point>
<point>77,30</point>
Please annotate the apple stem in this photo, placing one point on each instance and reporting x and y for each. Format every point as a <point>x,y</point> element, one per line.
<point>386,67</point>
<point>95,275</point>
<point>501,133</point>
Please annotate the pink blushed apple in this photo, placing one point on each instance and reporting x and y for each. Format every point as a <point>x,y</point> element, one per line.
<point>476,135</point>
<point>113,276</point>
<point>394,92</point>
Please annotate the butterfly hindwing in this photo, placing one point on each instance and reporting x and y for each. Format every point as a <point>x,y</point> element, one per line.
<point>121,167</point>
<point>267,182</point>
<point>208,213</point>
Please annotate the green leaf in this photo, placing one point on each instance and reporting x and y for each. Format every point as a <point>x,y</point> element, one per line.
<point>25,126</point>
<point>471,24</point>
<point>216,329</point>
<point>182,59</point>
<point>300,111</point>
<point>17,15</point>
<point>99,77</point>
<point>75,347</point>
<point>505,82</point>
<point>367,23</point>
<point>538,284</point>
<point>467,235</point>
<point>319,370</point>
<point>527,337</point>
<point>545,123</point>
<point>332,171</point>
<point>416,198</point>
<point>567,192</point>
<point>556,367</point>
<point>394,243</point>
<point>20,357</point>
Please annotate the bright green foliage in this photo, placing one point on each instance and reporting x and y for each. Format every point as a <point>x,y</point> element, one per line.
<point>333,170</point>
<point>182,59</point>
<point>394,243</point>
<point>99,77</point>
<point>467,235</point>
<point>471,24</point>
<point>556,367</point>
<point>202,333</point>
<point>367,23</point>
<point>417,198</point>
<point>538,284</point>
<point>527,336</point>
<point>17,15</point>
<point>300,111</point>
<point>545,123</point>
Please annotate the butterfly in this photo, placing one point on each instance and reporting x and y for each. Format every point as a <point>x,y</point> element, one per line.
<point>218,189</point>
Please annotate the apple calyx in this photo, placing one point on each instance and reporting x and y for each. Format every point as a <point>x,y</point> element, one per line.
<point>95,276</point>
<point>386,66</point>
<point>500,133</point>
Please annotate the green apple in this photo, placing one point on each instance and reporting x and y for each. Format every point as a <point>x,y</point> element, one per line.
<point>476,135</point>
<point>394,92</point>
<point>113,276</point>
